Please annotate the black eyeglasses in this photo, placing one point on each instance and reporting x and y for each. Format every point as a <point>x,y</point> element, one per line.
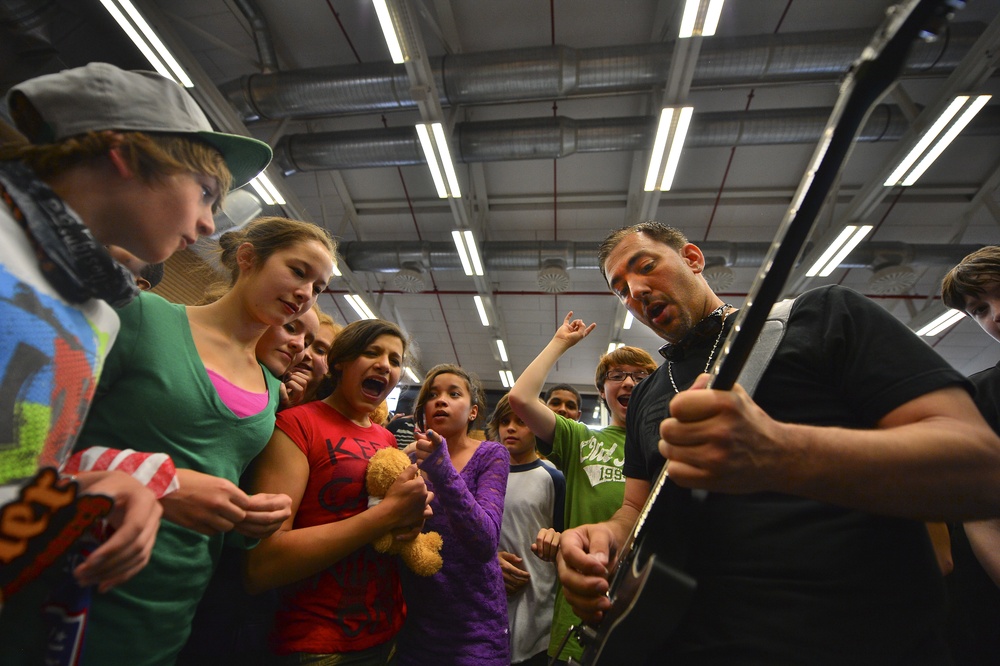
<point>619,376</point>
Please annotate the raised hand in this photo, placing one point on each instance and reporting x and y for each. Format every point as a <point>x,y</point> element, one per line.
<point>573,330</point>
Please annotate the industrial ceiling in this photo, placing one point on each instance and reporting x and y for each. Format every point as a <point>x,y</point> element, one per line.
<point>551,107</point>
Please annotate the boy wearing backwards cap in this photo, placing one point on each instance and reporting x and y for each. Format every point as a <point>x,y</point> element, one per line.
<point>115,158</point>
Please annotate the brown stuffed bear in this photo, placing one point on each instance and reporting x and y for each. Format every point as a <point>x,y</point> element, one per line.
<point>422,555</point>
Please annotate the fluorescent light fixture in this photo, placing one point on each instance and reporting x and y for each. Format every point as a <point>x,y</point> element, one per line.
<point>463,256</point>
<point>148,42</point>
<point>477,263</point>
<point>502,350</point>
<point>267,191</point>
<point>628,320</point>
<point>336,269</point>
<point>392,399</point>
<point>940,324</point>
<point>510,378</point>
<point>708,11</point>
<point>482,310</point>
<point>434,143</point>
<point>669,142</point>
<point>359,306</point>
<point>432,163</point>
<point>615,345</point>
<point>385,20</point>
<point>838,250</point>
<point>468,253</point>
<point>951,122</point>
<point>412,375</point>
<point>503,379</point>
<point>441,143</point>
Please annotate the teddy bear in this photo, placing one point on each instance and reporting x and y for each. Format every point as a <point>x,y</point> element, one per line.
<point>422,555</point>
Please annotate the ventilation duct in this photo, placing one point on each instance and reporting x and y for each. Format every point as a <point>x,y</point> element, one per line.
<point>552,138</point>
<point>560,72</point>
<point>381,257</point>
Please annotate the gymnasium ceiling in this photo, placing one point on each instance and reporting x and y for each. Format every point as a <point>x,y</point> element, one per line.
<point>552,111</point>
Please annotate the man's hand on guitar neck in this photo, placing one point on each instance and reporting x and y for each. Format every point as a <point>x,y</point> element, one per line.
<point>721,440</point>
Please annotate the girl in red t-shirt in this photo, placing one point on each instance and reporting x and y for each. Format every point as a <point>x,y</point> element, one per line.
<point>339,595</point>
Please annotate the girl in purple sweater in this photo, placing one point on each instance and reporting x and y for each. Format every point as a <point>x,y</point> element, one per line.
<point>458,616</point>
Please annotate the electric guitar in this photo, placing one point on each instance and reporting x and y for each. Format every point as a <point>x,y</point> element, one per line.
<point>649,595</point>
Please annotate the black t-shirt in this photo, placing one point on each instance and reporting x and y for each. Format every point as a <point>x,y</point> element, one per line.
<point>974,599</point>
<point>787,580</point>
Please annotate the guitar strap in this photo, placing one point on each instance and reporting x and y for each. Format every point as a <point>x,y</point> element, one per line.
<point>767,343</point>
<point>680,514</point>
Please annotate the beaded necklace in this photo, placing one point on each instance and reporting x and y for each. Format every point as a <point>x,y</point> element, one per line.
<point>719,311</point>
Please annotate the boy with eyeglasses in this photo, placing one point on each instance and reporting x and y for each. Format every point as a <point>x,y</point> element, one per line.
<point>590,459</point>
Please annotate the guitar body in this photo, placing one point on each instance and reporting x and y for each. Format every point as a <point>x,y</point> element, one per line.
<point>631,629</point>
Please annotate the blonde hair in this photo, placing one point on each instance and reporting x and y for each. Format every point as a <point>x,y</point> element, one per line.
<point>327,320</point>
<point>150,156</point>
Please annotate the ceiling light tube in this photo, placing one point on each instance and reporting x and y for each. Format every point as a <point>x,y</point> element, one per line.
<point>858,235</point>
<point>153,39</point>
<point>273,193</point>
<point>359,306</point>
<point>659,146</point>
<point>676,145</point>
<point>470,242</point>
<point>141,43</point>
<point>510,378</point>
<point>712,16</point>
<point>502,349</point>
<point>259,188</point>
<point>946,139</point>
<point>463,256</point>
<point>482,310</point>
<point>503,380</point>
<point>428,147</point>
<point>941,323</point>
<point>412,375</point>
<point>689,18</point>
<point>708,11</point>
<point>628,320</point>
<point>441,142</point>
<point>932,133</point>
<point>336,268</point>
<point>389,31</point>
<point>668,142</point>
<point>615,345</point>
<point>824,258</point>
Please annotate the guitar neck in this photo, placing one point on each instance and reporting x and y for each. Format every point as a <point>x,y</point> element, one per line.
<point>868,80</point>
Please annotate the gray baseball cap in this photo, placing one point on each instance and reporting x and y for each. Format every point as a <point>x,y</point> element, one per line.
<point>100,96</point>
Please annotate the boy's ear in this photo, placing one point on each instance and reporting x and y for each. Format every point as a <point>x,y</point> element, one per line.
<point>120,163</point>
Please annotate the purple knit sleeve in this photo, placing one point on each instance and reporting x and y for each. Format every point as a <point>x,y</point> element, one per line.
<point>474,517</point>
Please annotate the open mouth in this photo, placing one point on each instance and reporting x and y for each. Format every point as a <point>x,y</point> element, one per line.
<point>373,386</point>
<point>655,310</point>
<point>624,398</point>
